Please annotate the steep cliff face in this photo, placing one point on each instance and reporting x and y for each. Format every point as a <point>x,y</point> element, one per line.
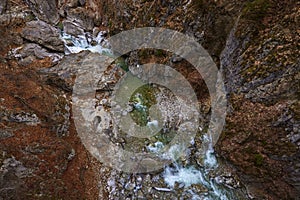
<point>254,43</point>
<point>41,155</point>
<point>261,68</point>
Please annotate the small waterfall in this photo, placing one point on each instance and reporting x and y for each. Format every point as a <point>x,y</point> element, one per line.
<point>189,175</point>
<point>76,44</point>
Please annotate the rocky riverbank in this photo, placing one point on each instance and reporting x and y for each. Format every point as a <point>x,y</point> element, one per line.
<point>254,43</point>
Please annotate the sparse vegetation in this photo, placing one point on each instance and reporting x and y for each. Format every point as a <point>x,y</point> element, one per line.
<point>60,26</point>
<point>256,10</point>
<point>258,159</point>
<point>145,96</point>
<point>122,63</point>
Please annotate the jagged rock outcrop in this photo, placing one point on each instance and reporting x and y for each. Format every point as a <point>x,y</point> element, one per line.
<point>256,44</point>
<point>82,17</point>
<point>72,28</point>
<point>43,34</point>
<point>31,51</point>
<point>45,10</point>
<point>261,70</point>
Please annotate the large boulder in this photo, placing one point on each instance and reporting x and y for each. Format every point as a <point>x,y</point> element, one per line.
<point>30,52</point>
<point>72,28</point>
<point>35,50</point>
<point>82,17</point>
<point>43,34</point>
<point>45,10</point>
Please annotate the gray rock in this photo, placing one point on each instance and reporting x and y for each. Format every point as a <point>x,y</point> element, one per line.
<point>29,52</point>
<point>295,138</point>
<point>3,4</point>
<point>36,50</point>
<point>71,155</point>
<point>16,166</point>
<point>96,31</point>
<point>5,134</point>
<point>26,61</point>
<point>61,75</point>
<point>65,4</point>
<point>82,18</point>
<point>176,59</point>
<point>81,2</point>
<point>72,28</point>
<point>35,148</point>
<point>12,173</point>
<point>129,186</point>
<point>28,118</point>
<point>45,10</point>
<point>43,34</point>
<point>68,66</point>
<point>277,84</point>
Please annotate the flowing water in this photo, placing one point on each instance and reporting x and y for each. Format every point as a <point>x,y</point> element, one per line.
<point>76,44</point>
<point>201,181</point>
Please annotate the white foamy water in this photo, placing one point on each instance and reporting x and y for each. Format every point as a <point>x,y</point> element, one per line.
<point>186,176</point>
<point>210,158</point>
<point>86,42</point>
<point>153,123</point>
<point>156,148</point>
<point>189,175</point>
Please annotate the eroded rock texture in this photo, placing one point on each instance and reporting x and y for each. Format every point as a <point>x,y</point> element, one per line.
<point>254,43</point>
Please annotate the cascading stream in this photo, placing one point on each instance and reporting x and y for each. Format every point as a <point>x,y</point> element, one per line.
<point>176,173</point>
